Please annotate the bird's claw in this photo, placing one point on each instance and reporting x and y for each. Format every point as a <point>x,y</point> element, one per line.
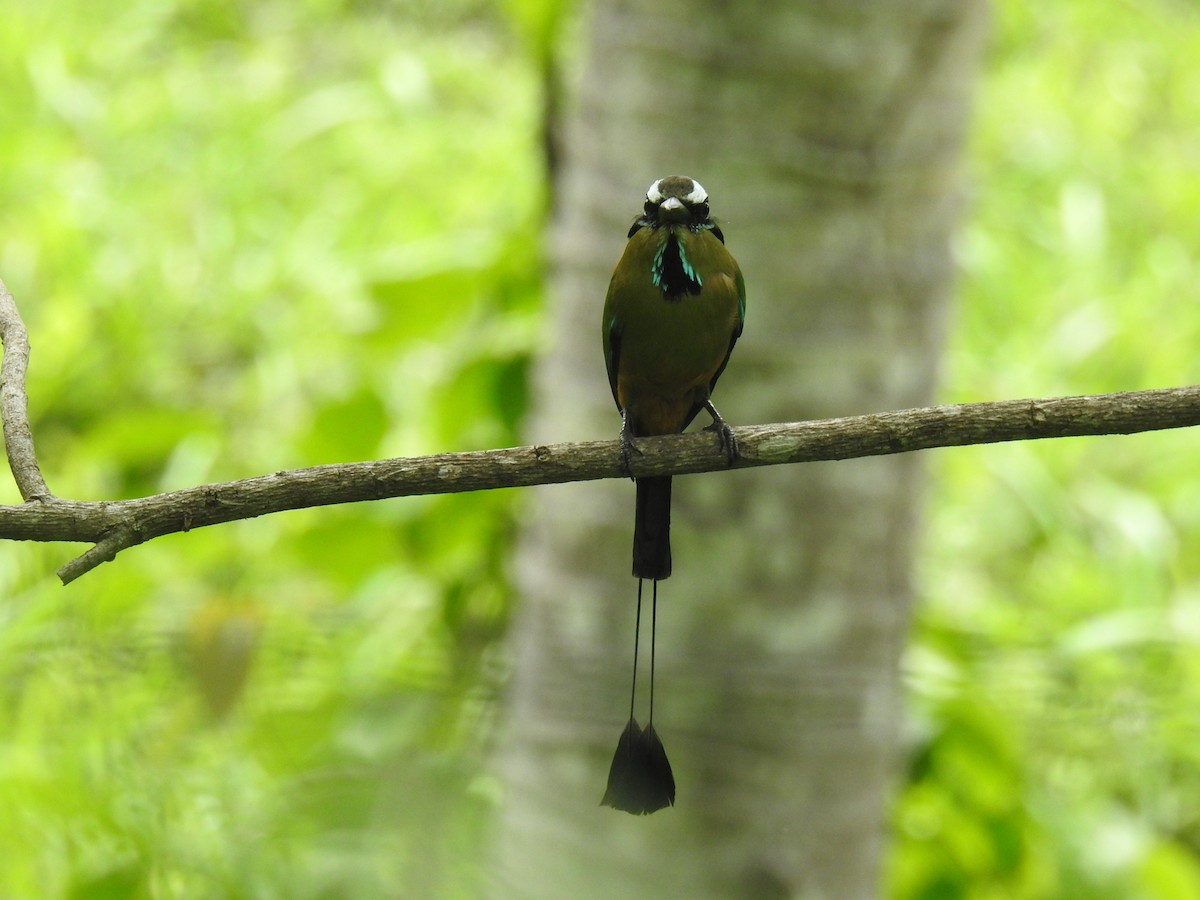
<point>725,436</point>
<point>628,447</point>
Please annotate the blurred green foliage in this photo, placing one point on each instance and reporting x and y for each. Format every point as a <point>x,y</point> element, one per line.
<point>248,236</point>
<point>1055,675</point>
<point>251,236</point>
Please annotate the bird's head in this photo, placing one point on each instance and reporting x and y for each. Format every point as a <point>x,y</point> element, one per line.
<point>676,200</point>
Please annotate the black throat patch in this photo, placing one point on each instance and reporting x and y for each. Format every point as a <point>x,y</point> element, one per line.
<point>672,271</point>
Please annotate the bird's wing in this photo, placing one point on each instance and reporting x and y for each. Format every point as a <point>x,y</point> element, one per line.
<point>612,343</point>
<point>740,282</point>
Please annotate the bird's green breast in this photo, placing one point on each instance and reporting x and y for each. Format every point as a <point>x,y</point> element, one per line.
<point>670,316</point>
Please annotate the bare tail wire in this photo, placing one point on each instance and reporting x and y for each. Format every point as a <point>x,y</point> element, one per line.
<point>637,631</point>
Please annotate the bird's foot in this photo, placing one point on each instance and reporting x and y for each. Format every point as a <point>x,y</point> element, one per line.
<point>628,447</point>
<point>725,435</point>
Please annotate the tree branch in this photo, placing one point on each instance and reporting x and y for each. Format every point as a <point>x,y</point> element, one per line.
<point>14,413</point>
<point>113,526</point>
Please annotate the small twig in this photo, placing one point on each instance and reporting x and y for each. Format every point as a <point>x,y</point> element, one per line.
<point>14,411</point>
<point>113,526</point>
<point>104,550</point>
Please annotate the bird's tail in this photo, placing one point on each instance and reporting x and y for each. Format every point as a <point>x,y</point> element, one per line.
<point>652,529</point>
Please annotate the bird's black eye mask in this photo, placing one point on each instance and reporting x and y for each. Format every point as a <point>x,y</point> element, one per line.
<point>700,219</point>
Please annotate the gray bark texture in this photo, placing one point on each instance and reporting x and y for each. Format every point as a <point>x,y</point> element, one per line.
<point>829,138</point>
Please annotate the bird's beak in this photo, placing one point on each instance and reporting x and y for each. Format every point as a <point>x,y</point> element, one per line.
<point>672,210</point>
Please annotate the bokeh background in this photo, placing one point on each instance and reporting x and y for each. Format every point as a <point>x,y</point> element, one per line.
<point>248,237</point>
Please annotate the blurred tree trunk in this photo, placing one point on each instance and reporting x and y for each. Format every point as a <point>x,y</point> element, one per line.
<point>829,138</point>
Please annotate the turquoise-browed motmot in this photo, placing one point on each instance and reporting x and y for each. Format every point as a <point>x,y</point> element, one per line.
<point>674,311</point>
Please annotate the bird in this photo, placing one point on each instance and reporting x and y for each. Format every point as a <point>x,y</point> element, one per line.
<point>674,310</point>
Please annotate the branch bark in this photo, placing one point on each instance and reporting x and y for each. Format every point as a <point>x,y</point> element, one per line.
<point>14,413</point>
<point>114,525</point>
